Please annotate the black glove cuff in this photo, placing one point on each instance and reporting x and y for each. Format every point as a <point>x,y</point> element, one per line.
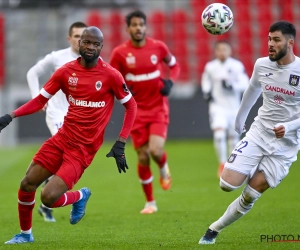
<point>119,144</point>
<point>7,118</point>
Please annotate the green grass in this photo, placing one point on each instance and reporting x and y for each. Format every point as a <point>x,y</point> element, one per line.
<point>113,220</point>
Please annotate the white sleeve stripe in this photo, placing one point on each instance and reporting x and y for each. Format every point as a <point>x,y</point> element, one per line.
<point>44,93</point>
<point>172,61</point>
<point>126,98</point>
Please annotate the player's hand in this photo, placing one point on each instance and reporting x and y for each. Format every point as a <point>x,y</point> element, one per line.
<point>279,130</point>
<point>226,85</point>
<point>165,91</point>
<point>4,121</point>
<point>117,151</point>
<point>240,130</point>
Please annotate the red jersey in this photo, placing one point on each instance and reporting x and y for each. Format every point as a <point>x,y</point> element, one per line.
<point>141,69</point>
<point>90,93</point>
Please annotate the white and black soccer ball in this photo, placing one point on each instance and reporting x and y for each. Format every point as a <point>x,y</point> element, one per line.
<point>217,18</point>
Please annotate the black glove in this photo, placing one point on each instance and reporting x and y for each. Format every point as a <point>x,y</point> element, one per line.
<point>117,151</point>
<point>167,88</point>
<point>207,97</point>
<point>226,85</point>
<point>4,121</point>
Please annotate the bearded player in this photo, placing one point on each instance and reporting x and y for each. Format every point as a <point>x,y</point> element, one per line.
<point>139,61</point>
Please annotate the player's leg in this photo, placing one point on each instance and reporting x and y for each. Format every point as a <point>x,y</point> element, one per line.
<point>53,126</point>
<point>157,139</point>
<point>55,194</point>
<point>240,164</point>
<point>218,124</point>
<point>34,177</point>
<point>140,137</point>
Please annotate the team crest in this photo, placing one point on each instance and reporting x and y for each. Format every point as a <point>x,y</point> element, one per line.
<point>153,59</point>
<point>231,158</point>
<point>294,80</point>
<point>98,85</point>
<point>130,59</point>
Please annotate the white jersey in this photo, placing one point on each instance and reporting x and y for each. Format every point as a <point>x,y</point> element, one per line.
<point>281,96</point>
<point>233,72</point>
<point>57,105</point>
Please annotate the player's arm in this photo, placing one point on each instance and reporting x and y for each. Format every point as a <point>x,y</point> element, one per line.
<point>35,104</point>
<point>250,97</point>
<point>283,128</point>
<point>42,67</point>
<point>124,96</point>
<point>206,85</point>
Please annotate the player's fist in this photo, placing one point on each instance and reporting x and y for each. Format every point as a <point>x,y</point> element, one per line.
<point>117,151</point>
<point>165,91</point>
<point>4,121</point>
<point>279,130</point>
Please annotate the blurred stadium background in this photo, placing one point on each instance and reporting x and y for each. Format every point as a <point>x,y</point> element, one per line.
<point>29,29</point>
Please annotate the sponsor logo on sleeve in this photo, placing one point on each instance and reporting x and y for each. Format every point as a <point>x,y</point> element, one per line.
<point>294,80</point>
<point>231,158</point>
<point>125,88</point>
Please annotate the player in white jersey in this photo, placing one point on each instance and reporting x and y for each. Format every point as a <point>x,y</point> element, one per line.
<point>271,145</point>
<point>57,106</point>
<point>223,82</point>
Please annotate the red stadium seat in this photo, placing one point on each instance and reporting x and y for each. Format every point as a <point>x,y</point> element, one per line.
<point>94,19</point>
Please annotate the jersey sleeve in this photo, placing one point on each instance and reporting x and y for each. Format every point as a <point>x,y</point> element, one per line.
<point>254,80</point>
<point>53,84</point>
<point>115,60</point>
<point>120,89</point>
<point>42,67</point>
<point>206,84</point>
<point>164,50</point>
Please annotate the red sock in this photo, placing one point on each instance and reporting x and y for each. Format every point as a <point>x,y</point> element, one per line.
<point>162,160</point>
<point>66,199</point>
<point>145,175</point>
<point>26,204</point>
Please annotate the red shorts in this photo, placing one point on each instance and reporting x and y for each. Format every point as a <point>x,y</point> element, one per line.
<point>141,135</point>
<point>61,159</point>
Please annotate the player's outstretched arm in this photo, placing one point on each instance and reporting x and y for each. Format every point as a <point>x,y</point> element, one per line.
<point>250,97</point>
<point>118,149</point>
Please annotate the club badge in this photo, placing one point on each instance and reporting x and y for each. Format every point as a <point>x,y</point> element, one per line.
<point>98,85</point>
<point>294,80</point>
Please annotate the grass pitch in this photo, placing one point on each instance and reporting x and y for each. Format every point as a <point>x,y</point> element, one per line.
<point>113,221</point>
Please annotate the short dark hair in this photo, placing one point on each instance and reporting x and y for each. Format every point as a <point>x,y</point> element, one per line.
<point>76,25</point>
<point>221,42</point>
<point>285,27</point>
<point>135,13</point>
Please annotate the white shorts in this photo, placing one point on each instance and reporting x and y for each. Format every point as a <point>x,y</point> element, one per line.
<point>249,155</point>
<point>221,118</point>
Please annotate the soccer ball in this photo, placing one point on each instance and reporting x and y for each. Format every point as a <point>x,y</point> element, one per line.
<point>217,18</point>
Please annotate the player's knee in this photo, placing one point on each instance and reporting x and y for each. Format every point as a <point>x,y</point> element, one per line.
<point>219,134</point>
<point>143,158</point>
<point>156,152</point>
<point>27,186</point>
<point>48,198</point>
<point>225,186</point>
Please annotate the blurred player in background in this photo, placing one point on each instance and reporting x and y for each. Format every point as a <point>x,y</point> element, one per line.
<point>271,145</point>
<point>57,106</point>
<point>91,86</point>
<point>223,82</point>
<point>139,61</point>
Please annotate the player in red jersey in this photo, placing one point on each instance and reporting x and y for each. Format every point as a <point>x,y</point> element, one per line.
<point>139,60</point>
<point>90,86</point>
